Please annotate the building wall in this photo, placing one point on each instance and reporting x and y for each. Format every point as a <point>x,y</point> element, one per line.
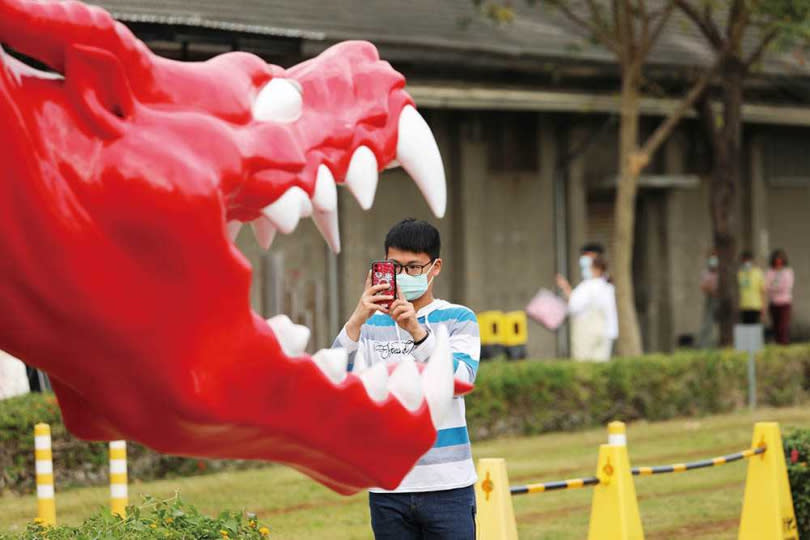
<point>499,231</point>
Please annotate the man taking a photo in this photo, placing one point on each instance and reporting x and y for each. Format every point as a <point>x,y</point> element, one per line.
<point>436,499</point>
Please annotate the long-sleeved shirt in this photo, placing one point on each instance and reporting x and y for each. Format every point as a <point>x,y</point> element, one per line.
<point>596,294</point>
<point>448,465</point>
<point>779,284</point>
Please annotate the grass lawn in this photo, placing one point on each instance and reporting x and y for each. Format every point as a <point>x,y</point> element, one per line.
<point>697,505</point>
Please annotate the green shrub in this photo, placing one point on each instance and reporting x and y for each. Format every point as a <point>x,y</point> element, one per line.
<point>530,396</point>
<point>171,519</point>
<point>511,398</point>
<point>797,451</point>
<point>77,462</point>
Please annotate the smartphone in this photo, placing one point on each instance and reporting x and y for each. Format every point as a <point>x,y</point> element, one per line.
<point>382,272</point>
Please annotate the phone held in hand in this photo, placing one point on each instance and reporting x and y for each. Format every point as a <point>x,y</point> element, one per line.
<point>382,272</point>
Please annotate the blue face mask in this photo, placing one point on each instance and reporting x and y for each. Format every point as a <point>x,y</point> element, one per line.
<point>585,263</point>
<point>414,287</point>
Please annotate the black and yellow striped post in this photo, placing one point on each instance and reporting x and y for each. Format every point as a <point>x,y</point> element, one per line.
<point>614,508</point>
<point>46,505</point>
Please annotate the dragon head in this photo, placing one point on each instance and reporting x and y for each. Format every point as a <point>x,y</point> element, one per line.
<point>124,177</point>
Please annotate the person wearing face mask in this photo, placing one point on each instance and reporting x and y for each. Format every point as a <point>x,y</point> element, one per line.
<point>591,308</point>
<point>708,284</point>
<point>751,282</point>
<point>436,499</point>
<point>779,284</point>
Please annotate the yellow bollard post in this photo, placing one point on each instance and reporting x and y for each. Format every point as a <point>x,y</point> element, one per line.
<point>614,510</point>
<point>495,516</point>
<point>119,497</point>
<point>46,505</point>
<point>767,505</point>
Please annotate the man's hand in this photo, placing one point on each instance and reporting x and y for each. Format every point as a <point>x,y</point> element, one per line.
<point>369,304</point>
<point>404,314</point>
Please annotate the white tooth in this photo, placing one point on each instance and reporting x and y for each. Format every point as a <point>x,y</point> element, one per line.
<point>393,165</point>
<point>327,223</point>
<point>437,378</point>
<point>264,231</point>
<point>280,100</point>
<point>324,208</point>
<point>333,363</point>
<point>292,337</point>
<point>325,196</point>
<point>419,155</point>
<point>233,229</point>
<point>374,379</point>
<point>360,362</point>
<point>362,176</point>
<point>405,385</point>
<point>285,212</point>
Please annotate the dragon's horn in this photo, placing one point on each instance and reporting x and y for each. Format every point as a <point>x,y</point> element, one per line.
<point>44,30</point>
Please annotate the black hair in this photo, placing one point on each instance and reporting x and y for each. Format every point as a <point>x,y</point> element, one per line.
<point>593,247</point>
<point>414,235</point>
<point>779,254</point>
<point>747,255</point>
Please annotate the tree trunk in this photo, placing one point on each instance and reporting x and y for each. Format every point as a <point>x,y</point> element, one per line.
<point>629,342</point>
<point>724,185</point>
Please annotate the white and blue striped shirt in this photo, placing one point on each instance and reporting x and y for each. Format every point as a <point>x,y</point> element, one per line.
<point>448,465</point>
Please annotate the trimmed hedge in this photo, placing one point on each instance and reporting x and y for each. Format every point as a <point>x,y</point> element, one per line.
<point>797,451</point>
<point>511,398</point>
<point>529,397</point>
<point>78,462</point>
<point>171,519</point>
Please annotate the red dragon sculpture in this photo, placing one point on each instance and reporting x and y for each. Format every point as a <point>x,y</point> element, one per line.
<point>123,179</point>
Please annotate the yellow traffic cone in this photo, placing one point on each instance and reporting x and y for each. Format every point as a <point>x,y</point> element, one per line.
<point>614,510</point>
<point>495,516</point>
<point>767,512</point>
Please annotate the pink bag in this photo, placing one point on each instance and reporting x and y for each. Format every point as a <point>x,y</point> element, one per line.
<point>547,309</point>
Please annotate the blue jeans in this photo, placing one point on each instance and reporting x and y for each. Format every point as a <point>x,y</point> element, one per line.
<point>433,515</point>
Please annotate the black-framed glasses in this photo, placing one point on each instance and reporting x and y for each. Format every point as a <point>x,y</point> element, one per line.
<point>413,269</point>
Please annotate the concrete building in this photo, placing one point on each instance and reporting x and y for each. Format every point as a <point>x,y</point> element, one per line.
<point>525,116</point>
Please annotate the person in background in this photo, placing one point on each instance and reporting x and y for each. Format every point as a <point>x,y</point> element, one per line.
<point>592,309</point>
<point>779,286</point>
<point>708,284</point>
<point>751,282</point>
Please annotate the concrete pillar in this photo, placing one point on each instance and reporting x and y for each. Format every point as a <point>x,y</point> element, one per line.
<point>760,238</point>
<point>577,202</point>
<point>473,230</point>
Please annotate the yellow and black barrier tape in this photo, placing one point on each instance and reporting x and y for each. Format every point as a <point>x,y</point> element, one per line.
<point>553,486</point>
<point>702,464</point>
<point>638,471</point>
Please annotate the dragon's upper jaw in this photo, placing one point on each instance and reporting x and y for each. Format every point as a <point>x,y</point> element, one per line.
<point>121,281</point>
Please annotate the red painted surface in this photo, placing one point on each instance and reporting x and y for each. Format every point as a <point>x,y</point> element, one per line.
<point>117,277</point>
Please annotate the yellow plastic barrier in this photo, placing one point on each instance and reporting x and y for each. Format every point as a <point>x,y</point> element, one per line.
<point>490,327</point>
<point>767,505</point>
<point>767,513</point>
<point>515,334</point>
<point>495,516</point>
<point>614,510</point>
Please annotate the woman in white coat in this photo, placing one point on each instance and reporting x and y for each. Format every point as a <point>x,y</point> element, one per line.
<point>592,311</point>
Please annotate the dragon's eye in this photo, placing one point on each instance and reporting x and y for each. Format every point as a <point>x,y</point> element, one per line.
<point>279,101</point>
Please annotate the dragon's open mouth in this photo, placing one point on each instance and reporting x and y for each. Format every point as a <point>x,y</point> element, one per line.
<point>125,179</point>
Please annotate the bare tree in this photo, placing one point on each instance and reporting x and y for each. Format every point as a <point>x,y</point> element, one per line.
<point>628,29</point>
<point>739,32</point>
